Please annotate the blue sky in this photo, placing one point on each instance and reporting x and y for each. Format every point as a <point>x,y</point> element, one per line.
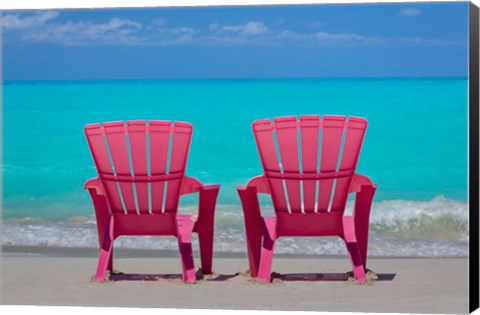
<point>364,40</point>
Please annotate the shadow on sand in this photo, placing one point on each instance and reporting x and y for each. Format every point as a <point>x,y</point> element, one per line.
<point>119,276</point>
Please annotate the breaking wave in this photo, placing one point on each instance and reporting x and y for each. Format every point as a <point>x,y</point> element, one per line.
<point>434,228</point>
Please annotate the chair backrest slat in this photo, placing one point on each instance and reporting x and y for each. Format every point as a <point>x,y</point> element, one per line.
<point>341,141</point>
<point>137,135</point>
<point>332,132</point>
<point>132,161</point>
<point>309,134</point>
<point>182,133</point>
<point>159,147</point>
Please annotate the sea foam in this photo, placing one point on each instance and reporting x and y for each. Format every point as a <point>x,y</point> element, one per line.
<point>438,227</point>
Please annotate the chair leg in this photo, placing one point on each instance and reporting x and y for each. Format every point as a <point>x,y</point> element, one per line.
<point>184,238</point>
<point>268,247</point>
<point>362,241</point>
<point>105,257</point>
<point>356,260</point>
<point>110,261</point>
<point>253,227</point>
<point>205,227</point>
<point>353,249</point>
<point>205,238</point>
<point>363,204</point>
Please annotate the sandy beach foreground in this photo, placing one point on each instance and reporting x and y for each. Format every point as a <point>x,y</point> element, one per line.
<point>33,276</point>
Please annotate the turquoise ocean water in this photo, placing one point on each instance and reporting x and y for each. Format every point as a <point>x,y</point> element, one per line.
<point>415,149</point>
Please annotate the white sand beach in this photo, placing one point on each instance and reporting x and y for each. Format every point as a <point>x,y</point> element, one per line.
<point>61,277</point>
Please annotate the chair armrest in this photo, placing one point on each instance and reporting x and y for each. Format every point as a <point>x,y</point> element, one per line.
<point>253,219</point>
<point>260,184</point>
<point>100,203</point>
<point>192,185</point>
<point>360,181</point>
<point>95,185</point>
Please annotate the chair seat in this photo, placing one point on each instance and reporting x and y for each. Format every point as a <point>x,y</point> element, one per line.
<point>310,224</point>
<point>148,224</point>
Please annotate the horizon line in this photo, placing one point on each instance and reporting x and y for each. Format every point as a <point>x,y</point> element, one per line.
<point>233,78</point>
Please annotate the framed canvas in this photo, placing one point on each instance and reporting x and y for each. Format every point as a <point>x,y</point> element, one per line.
<point>282,157</point>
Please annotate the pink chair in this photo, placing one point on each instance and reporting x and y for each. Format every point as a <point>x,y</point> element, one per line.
<point>141,170</point>
<point>309,207</point>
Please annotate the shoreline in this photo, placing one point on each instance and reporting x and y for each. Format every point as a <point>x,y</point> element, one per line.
<point>56,251</point>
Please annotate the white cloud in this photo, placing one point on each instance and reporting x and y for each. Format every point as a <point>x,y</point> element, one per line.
<point>250,28</point>
<point>214,26</point>
<point>290,35</point>
<point>178,35</point>
<point>77,33</point>
<point>315,24</point>
<point>42,27</point>
<point>45,27</point>
<point>165,36</point>
<point>233,35</point>
<point>418,40</point>
<point>159,22</point>
<point>16,22</point>
<point>325,38</point>
<point>410,12</point>
<point>115,24</point>
<point>252,32</point>
<point>336,36</point>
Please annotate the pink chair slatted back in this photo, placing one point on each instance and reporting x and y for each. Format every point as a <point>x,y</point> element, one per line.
<point>137,161</point>
<point>296,170</point>
<point>309,130</point>
<point>263,130</point>
<point>159,143</point>
<point>286,128</point>
<point>137,131</point>
<point>178,162</point>
<point>332,133</point>
<point>355,132</point>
